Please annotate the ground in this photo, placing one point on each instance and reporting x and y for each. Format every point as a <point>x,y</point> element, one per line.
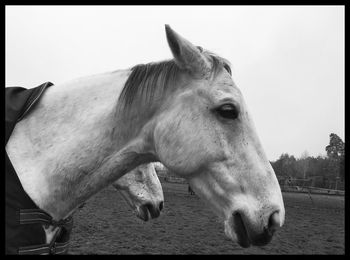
<point>106,225</point>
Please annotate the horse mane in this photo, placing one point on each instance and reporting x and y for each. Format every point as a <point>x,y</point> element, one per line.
<point>149,82</point>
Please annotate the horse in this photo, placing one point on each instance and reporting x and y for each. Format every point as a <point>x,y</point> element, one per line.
<point>190,191</point>
<point>142,191</point>
<point>185,112</point>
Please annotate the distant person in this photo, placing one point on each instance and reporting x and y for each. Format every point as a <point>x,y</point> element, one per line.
<point>190,191</point>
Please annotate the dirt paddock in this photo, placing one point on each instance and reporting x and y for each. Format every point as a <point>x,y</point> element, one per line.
<point>106,225</point>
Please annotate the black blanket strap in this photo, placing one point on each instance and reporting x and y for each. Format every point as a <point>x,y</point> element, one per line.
<point>54,248</point>
<point>34,216</point>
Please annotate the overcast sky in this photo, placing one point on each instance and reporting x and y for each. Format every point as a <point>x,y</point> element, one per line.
<point>288,61</point>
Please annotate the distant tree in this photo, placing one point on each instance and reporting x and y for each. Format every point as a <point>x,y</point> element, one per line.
<point>336,154</point>
<point>336,148</point>
<point>304,163</point>
<point>285,165</point>
<point>276,165</point>
<point>320,166</point>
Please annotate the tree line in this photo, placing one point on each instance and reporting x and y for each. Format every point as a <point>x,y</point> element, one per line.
<point>330,167</point>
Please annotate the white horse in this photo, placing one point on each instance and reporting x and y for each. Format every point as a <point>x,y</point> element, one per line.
<point>186,113</point>
<point>142,191</point>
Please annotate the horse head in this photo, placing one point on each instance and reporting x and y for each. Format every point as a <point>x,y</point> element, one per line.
<point>142,191</point>
<point>201,129</point>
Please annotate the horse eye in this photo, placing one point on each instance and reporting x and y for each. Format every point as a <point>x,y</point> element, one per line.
<point>227,67</point>
<point>228,111</point>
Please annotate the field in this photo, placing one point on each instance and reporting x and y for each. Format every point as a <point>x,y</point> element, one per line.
<point>106,225</point>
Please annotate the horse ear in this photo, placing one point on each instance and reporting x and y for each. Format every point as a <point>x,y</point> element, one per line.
<point>186,55</point>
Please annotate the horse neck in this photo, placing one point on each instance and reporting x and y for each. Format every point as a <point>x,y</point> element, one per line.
<point>72,144</point>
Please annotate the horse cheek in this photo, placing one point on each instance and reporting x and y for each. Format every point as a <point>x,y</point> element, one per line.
<point>181,145</point>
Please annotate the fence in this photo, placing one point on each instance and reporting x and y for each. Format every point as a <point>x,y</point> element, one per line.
<point>316,184</point>
<point>174,179</point>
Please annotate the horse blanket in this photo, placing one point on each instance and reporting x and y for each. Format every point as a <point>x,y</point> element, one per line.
<point>24,220</point>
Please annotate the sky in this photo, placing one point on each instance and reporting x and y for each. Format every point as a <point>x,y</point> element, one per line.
<point>288,61</point>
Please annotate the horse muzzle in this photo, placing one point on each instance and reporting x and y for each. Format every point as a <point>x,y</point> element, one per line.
<point>149,210</point>
<point>241,229</point>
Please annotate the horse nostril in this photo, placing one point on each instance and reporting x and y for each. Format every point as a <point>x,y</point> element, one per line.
<point>161,205</point>
<point>153,210</point>
<point>274,222</point>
